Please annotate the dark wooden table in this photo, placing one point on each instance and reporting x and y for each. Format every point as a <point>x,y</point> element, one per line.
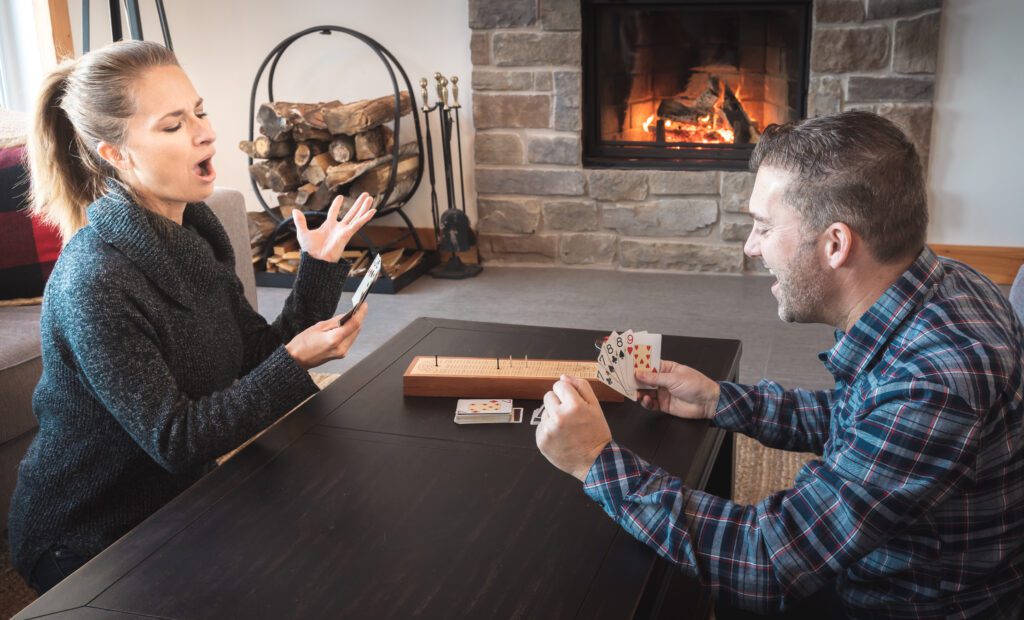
<point>366,504</point>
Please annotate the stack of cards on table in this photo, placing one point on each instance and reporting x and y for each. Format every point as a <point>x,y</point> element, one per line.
<point>487,411</point>
<point>624,354</point>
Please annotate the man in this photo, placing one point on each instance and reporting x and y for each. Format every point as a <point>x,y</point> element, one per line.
<point>915,506</point>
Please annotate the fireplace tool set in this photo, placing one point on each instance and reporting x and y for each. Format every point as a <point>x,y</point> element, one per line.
<point>451,228</point>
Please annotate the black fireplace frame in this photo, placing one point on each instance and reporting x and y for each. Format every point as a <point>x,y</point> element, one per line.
<point>672,155</point>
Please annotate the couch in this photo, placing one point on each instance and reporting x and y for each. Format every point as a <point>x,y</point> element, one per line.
<point>20,363</point>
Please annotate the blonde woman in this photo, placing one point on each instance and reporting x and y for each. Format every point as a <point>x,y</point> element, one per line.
<point>153,362</point>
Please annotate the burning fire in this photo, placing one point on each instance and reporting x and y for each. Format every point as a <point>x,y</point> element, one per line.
<point>705,130</point>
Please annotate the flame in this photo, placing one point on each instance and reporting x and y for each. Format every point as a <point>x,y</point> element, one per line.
<point>647,123</point>
<point>712,128</point>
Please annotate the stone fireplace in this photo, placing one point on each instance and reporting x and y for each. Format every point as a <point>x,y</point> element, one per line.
<point>544,199</point>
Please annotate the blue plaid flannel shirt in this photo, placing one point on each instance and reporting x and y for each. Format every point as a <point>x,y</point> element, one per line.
<point>915,507</point>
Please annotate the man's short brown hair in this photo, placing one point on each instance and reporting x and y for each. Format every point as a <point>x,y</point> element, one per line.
<point>856,168</point>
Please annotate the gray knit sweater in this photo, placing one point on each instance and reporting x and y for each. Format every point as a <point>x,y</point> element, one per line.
<point>154,364</point>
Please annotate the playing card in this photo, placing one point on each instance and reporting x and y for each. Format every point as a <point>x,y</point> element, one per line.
<point>517,415</point>
<point>606,371</point>
<point>538,414</point>
<point>645,339</point>
<point>615,348</point>
<point>484,405</point>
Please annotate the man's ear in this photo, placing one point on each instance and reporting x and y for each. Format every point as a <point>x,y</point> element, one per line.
<point>838,244</point>
<point>112,155</point>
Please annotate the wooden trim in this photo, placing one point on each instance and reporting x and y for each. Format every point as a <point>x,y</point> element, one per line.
<point>53,30</point>
<point>999,263</point>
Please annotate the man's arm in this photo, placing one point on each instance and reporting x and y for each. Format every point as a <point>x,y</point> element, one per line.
<point>903,456</point>
<point>796,420</point>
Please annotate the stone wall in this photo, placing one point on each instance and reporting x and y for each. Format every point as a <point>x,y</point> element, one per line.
<point>536,202</point>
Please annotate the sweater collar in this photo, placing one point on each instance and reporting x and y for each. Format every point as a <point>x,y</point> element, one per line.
<point>174,257</point>
<point>871,333</point>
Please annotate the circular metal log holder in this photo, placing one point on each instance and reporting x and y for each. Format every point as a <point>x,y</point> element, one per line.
<point>385,207</point>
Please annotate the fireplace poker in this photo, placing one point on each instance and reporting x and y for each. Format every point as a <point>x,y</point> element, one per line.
<point>446,145</point>
<point>434,211</point>
<point>458,136</point>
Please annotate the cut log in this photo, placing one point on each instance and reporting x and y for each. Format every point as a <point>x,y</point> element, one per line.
<point>374,143</point>
<point>278,118</point>
<point>305,151</point>
<point>316,171</point>
<point>247,147</point>
<point>344,173</point>
<point>342,148</point>
<point>375,181</point>
<point>302,133</point>
<point>357,117</point>
<point>278,175</point>
<point>265,148</point>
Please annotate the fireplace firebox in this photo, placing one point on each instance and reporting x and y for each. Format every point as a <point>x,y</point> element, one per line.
<point>689,85</point>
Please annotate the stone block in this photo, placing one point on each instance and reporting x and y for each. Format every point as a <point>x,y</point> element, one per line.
<point>682,182</point>
<point>497,79</point>
<point>511,111</point>
<point>680,256</point>
<point>864,89</point>
<point>484,14</point>
<point>503,215</point>
<point>917,44</point>
<point>522,49</point>
<point>563,150</point>
<point>736,188</point>
<point>480,48</point>
<point>884,9</point>
<point>834,11</point>
<point>617,184</point>
<point>915,120</point>
<point>841,50</point>
<point>542,81</point>
<point>587,248</point>
<point>574,215</point>
<point>560,14</point>
<point>530,182</point>
<point>536,248</point>
<point>737,229</point>
<point>825,96</point>
<point>685,216</point>
<point>498,148</point>
<point>630,219</point>
<point>567,100</point>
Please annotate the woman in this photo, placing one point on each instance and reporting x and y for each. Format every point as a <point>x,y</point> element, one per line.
<point>154,364</point>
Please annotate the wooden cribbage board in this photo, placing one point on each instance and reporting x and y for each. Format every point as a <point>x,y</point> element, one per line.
<point>480,377</point>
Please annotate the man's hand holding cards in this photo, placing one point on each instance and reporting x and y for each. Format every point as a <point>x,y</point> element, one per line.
<point>622,355</point>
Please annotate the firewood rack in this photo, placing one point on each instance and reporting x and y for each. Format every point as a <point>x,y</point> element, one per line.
<point>386,205</point>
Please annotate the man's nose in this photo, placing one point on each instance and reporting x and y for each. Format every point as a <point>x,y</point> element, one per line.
<point>752,247</point>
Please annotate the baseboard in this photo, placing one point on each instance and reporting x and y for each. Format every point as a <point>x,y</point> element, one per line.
<point>381,235</point>
<point>999,264</point>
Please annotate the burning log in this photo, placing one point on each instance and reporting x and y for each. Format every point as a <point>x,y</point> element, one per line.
<point>700,118</point>
<point>744,129</point>
<point>354,118</point>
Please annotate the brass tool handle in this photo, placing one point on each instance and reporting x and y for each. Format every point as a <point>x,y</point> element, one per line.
<point>455,92</point>
<point>423,86</point>
<point>444,92</point>
<point>438,77</point>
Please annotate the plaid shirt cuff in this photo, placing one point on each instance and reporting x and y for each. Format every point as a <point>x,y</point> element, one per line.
<point>621,482</point>
<point>733,412</point>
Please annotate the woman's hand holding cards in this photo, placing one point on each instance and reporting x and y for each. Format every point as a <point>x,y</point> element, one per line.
<point>326,341</point>
<point>680,391</point>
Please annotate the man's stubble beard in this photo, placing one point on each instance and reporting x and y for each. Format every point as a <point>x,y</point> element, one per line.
<point>803,290</point>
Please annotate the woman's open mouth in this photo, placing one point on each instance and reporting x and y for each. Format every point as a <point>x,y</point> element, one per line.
<point>205,170</point>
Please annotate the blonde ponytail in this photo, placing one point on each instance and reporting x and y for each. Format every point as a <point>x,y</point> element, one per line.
<point>81,104</point>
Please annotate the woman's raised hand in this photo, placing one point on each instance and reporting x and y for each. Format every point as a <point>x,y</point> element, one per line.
<point>328,241</point>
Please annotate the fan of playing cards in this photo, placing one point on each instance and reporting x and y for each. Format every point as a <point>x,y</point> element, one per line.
<point>624,354</point>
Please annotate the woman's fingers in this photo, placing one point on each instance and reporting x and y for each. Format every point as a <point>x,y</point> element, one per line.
<point>362,204</point>
<point>300,222</point>
<point>332,213</point>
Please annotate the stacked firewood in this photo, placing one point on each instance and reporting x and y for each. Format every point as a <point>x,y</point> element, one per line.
<point>286,255</point>
<point>308,153</point>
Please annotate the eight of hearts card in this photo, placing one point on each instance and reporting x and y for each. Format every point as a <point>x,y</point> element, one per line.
<point>487,411</point>
<point>622,355</point>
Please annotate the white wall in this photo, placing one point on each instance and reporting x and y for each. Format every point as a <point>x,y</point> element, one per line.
<point>20,62</point>
<point>977,168</point>
<point>221,45</point>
